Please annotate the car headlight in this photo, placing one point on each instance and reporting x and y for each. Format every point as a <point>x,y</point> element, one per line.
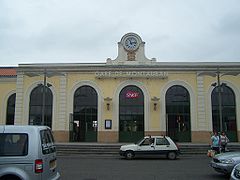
<point>227,161</point>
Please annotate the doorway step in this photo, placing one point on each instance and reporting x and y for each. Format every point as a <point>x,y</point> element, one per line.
<point>105,149</point>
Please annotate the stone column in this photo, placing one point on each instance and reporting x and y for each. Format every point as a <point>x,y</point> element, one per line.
<point>19,100</point>
<point>61,132</point>
<point>202,135</point>
<point>201,115</point>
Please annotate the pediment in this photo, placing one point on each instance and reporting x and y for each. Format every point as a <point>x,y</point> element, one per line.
<point>131,51</point>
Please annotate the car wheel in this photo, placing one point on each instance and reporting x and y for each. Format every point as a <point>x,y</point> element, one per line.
<point>129,155</point>
<point>172,155</point>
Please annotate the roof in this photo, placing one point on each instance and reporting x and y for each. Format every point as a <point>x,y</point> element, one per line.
<point>8,72</point>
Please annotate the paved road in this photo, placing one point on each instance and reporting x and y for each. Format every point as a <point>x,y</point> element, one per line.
<point>116,168</point>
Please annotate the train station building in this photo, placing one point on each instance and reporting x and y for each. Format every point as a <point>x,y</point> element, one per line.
<point>124,99</point>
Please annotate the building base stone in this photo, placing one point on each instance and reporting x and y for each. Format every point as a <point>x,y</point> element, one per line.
<point>107,136</point>
<point>61,136</point>
<point>155,133</point>
<point>201,137</point>
<point>112,136</point>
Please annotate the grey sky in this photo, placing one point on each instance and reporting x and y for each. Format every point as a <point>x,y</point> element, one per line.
<point>72,31</point>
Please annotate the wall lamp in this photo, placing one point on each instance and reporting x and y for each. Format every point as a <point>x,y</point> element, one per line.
<point>215,84</point>
<point>48,85</point>
<point>155,101</point>
<point>108,100</point>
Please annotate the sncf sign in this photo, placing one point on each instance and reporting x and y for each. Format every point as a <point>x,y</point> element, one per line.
<point>132,94</point>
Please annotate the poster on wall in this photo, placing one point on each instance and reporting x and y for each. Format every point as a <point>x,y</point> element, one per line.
<point>108,124</point>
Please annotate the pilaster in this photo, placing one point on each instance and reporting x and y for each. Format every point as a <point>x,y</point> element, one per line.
<point>62,105</point>
<point>201,115</point>
<point>19,100</point>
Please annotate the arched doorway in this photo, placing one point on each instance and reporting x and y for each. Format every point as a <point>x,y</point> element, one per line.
<point>11,109</point>
<point>36,106</point>
<point>131,114</point>
<point>178,114</point>
<point>85,109</point>
<point>228,105</point>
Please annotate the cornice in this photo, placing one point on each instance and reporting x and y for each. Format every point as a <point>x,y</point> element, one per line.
<point>8,79</point>
<point>157,66</point>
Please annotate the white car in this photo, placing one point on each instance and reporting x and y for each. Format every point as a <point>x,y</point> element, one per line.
<point>151,145</point>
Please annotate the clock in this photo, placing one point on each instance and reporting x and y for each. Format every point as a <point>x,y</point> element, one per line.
<point>131,43</point>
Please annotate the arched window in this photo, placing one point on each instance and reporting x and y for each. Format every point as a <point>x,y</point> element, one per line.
<point>85,114</point>
<point>228,107</point>
<point>178,114</point>
<point>131,114</point>
<point>37,105</point>
<point>11,109</point>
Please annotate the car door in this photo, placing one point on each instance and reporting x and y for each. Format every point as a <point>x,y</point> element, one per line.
<point>147,146</point>
<point>162,145</point>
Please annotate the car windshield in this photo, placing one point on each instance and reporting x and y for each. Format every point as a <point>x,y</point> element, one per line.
<point>139,141</point>
<point>145,140</point>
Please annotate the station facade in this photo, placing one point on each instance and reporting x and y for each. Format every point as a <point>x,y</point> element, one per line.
<point>124,99</point>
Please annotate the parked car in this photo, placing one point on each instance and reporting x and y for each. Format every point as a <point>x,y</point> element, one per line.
<point>27,153</point>
<point>225,162</point>
<point>151,145</point>
<point>235,175</point>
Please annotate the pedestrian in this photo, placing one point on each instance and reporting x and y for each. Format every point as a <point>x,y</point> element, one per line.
<point>223,140</point>
<point>215,142</point>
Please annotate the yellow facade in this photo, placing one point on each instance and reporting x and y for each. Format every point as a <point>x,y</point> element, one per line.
<point>108,79</point>
<point>7,88</point>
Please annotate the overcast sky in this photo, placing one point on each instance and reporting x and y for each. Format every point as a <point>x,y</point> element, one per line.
<point>82,31</point>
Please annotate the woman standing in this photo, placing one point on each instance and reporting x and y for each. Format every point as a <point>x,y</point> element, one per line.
<point>224,140</point>
<point>215,142</point>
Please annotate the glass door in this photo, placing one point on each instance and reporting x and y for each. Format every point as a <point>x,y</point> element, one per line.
<point>178,114</point>
<point>131,114</point>
<point>85,114</point>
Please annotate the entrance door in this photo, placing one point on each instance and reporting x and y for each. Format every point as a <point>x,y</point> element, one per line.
<point>178,114</point>
<point>85,114</point>
<point>131,114</point>
<point>228,108</point>
<point>40,111</point>
<point>178,127</point>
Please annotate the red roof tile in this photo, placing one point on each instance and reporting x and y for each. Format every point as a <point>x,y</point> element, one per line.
<point>8,72</point>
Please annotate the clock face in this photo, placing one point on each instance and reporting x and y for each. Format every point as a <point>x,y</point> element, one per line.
<point>131,43</point>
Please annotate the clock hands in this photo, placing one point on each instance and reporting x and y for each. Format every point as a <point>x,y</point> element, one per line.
<point>131,43</point>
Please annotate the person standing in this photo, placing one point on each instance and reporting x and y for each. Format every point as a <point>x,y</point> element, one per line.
<point>215,142</point>
<point>224,140</point>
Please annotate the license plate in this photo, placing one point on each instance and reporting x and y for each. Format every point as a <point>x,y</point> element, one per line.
<point>53,164</point>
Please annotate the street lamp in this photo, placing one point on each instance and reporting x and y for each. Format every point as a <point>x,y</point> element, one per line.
<point>44,89</point>
<point>45,84</point>
<point>219,100</point>
<point>219,86</point>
